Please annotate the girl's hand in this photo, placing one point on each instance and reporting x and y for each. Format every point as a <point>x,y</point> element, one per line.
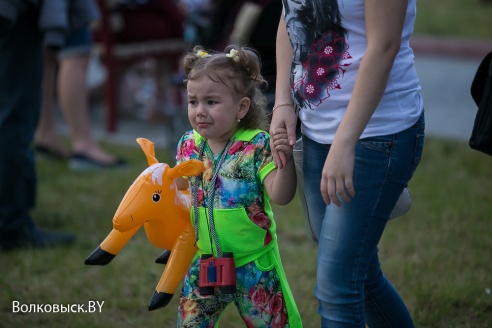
<point>281,144</point>
<point>337,174</point>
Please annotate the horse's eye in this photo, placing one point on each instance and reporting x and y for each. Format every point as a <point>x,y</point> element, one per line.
<point>156,197</point>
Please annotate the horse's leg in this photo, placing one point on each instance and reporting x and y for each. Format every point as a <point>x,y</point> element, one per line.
<point>181,256</point>
<point>110,247</point>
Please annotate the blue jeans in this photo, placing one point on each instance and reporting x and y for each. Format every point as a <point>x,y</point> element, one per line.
<point>350,286</point>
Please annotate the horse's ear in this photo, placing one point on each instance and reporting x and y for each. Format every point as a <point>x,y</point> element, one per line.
<point>191,167</point>
<point>148,149</point>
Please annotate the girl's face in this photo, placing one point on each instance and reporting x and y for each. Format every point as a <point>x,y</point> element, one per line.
<point>213,110</point>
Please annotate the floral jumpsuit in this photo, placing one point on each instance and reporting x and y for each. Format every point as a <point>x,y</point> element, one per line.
<point>244,225</point>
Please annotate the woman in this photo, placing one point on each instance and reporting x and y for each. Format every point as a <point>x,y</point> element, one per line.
<point>348,67</point>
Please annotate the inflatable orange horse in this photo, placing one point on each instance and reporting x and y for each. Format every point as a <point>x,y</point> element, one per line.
<point>154,201</point>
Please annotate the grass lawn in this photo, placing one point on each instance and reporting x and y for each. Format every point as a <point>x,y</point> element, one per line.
<point>437,255</point>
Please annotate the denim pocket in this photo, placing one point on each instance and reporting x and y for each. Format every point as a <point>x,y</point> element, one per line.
<point>381,144</point>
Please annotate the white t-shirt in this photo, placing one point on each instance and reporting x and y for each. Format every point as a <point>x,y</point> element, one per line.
<point>325,65</point>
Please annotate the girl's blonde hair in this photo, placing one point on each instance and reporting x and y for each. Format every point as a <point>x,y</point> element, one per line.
<point>238,68</point>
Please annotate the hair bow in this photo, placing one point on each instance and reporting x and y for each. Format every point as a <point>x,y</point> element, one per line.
<point>202,54</point>
<point>234,54</point>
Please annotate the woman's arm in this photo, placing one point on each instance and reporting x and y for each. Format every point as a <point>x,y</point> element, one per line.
<point>285,116</point>
<point>384,25</point>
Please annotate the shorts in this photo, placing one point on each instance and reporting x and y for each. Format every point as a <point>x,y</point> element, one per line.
<point>77,44</point>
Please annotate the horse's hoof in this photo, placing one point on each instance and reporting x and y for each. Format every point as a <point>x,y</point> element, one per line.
<point>163,258</point>
<point>159,300</point>
<point>99,257</point>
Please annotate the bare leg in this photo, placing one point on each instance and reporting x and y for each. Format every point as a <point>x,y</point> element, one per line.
<point>46,135</point>
<point>73,99</point>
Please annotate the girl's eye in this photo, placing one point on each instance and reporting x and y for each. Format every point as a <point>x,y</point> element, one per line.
<point>211,102</point>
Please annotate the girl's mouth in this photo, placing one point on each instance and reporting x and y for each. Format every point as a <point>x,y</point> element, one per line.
<point>203,125</point>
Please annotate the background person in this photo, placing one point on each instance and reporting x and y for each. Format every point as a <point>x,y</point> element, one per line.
<point>26,28</point>
<point>70,80</point>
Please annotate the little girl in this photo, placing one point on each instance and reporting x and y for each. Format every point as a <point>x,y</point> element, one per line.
<point>238,259</point>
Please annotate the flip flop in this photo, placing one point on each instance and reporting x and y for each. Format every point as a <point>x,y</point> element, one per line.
<point>51,152</point>
<point>81,162</point>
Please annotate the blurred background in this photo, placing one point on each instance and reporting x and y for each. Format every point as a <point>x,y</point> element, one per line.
<point>142,84</point>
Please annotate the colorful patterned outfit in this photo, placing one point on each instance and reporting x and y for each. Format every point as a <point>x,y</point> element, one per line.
<point>244,225</point>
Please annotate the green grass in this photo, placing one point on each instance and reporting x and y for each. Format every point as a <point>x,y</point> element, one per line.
<point>469,19</point>
<point>437,255</point>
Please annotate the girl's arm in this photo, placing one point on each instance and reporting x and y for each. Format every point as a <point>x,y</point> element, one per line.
<point>384,25</point>
<point>281,183</point>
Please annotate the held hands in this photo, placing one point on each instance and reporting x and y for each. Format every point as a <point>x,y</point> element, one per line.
<point>281,183</point>
<point>281,145</point>
<point>337,174</point>
<point>336,178</point>
<point>283,118</point>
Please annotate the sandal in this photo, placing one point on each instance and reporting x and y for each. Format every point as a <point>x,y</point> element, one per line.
<point>51,152</point>
<point>81,162</point>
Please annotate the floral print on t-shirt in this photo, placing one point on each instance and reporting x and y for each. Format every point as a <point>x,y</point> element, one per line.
<point>322,69</point>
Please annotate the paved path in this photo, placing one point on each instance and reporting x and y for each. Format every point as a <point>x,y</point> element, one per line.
<point>449,107</point>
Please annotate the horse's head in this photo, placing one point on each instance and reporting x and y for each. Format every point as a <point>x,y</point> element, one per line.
<point>154,195</point>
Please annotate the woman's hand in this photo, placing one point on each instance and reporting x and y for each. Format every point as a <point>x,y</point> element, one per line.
<point>337,174</point>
